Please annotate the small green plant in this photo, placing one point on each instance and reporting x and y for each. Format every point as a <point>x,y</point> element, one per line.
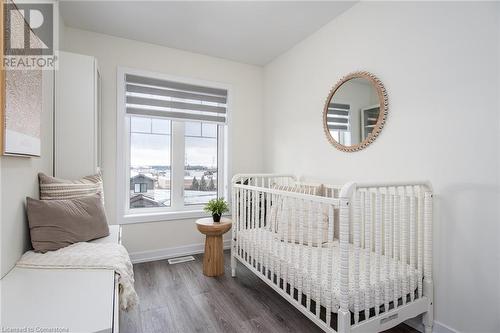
<point>216,207</point>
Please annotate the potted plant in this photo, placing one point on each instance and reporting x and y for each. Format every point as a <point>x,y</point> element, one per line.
<point>217,207</point>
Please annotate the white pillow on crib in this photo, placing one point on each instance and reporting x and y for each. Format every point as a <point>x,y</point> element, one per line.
<point>281,215</point>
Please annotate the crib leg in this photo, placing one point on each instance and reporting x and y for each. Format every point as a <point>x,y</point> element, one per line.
<point>428,317</point>
<point>233,266</point>
<point>344,324</point>
<point>427,320</point>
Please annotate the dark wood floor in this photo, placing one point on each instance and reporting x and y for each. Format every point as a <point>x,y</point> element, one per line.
<point>179,298</point>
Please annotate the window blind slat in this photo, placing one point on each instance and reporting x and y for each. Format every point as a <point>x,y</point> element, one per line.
<point>337,127</point>
<point>338,112</point>
<point>174,85</point>
<point>174,115</point>
<point>174,93</point>
<point>339,106</point>
<point>175,105</point>
<point>337,120</point>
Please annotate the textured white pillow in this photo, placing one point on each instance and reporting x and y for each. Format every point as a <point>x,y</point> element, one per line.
<point>52,188</point>
<point>283,217</point>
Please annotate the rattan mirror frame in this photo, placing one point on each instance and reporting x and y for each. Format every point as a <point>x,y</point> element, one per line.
<point>384,109</point>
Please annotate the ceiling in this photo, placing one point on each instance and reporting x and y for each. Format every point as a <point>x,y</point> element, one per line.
<point>248,32</point>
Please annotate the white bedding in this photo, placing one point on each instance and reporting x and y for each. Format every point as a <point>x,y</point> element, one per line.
<point>261,239</point>
<point>86,255</point>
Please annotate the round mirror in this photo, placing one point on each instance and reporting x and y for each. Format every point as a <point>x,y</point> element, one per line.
<point>355,111</point>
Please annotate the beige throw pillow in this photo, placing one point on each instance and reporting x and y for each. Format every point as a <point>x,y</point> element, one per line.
<point>55,224</point>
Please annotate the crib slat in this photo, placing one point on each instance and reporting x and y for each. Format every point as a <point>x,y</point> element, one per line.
<point>272,210</point>
<point>378,248</point>
<point>284,242</point>
<point>319,232</point>
<point>428,236</point>
<point>261,226</point>
<point>397,238</point>
<point>301,251</point>
<point>329,254</point>
<point>330,267</point>
<point>368,249</point>
<point>268,228</point>
<point>387,248</point>
<point>412,244</point>
<point>391,239</point>
<point>289,241</point>
<point>248,224</point>
<point>244,223</point>
<point>309,253</point>
<point>274,205</point>
<point>344,314</point>
<point>280,226</point>
<point>254,229</point>
<point>272,235</point>
<point>251,234</point>
<point>420,231</point>
<point>292,248</point>
<point>335,272</point>
<point>236,213</point>
<point>363,217</point>
<point>235,224</point>
<point>255,235</point>
<point>404,245</point>
<point>356,243</point>
<point>263,229</point>
<point>240,221</point>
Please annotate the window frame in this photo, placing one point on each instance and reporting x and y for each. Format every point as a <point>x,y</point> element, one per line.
<point>177,209</point>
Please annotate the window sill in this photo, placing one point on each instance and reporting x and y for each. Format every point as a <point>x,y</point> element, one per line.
<point>163,216</point>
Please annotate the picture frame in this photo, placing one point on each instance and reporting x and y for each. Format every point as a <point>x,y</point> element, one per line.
<point>21,94</point>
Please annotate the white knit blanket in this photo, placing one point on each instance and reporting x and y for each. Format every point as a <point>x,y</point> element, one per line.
<point>90,256</point>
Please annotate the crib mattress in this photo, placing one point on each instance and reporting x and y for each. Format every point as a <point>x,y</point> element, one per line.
<point>303,272</point>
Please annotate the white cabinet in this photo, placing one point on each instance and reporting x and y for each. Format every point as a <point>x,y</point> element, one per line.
<point>77,150</point>
<point>78,300</point>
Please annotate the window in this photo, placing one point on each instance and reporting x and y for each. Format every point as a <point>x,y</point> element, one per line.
<point>150,157</point>
<point>174,146</point>
<point>200,167</point>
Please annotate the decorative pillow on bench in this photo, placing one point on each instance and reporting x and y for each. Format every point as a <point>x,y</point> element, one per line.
<point>52,188</point>
<point>55,224</point>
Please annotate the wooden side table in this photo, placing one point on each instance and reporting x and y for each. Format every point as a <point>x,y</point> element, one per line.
<point>213,259</point>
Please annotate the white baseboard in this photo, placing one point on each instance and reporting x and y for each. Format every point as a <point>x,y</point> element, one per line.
<point>171,252</point>
<point>438,327</point>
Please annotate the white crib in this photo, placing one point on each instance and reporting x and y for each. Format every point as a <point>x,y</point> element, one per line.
<point>352,258</point>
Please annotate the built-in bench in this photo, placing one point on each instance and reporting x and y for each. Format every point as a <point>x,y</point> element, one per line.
<point>71,300</point>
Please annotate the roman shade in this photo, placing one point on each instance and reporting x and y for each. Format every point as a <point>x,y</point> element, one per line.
<point>338,117</point>
<point>154,97</point>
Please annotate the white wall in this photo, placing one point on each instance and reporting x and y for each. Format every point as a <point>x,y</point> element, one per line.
<point>246,130</point>
<point>439,63</point>
<point>18,179</point>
